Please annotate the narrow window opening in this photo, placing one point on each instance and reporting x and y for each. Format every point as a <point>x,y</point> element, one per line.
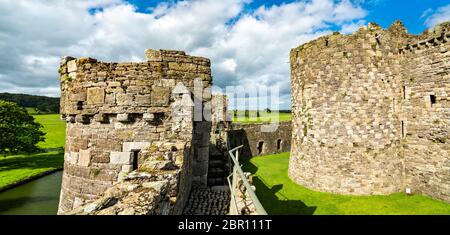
<point>135,159</point>
<point>393,105</point>
<point>80,105</point>
<point>432,100</point>
<point>260,147</point>
<point>279,144</point>
<point>326,42</point>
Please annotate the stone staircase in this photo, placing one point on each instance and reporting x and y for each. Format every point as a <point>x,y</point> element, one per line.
<point>218,170</point>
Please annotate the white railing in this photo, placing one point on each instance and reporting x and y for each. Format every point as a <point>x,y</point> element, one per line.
<point>238,173</point>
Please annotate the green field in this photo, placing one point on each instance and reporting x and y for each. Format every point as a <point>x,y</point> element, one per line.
<point>17,168</point>
<point>264,117</point>
<point>55,129</point>
<point>280,195</point>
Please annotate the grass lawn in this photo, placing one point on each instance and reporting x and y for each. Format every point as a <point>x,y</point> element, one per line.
<point>55,129</point>
<point>280,195</point>
<point>265,117</point>
<point>17,168</point>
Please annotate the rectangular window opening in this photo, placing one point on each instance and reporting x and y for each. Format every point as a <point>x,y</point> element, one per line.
<point>135,159</point>
<point>403,129</point>
<point>260,147</point>
<point>393,105</point>
<point>432,100</point>
<point>279,144</point>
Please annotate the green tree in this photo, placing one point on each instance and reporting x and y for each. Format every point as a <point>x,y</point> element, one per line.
<point>18,130</point>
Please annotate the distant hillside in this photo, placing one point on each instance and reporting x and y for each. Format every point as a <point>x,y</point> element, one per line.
<point>42,104</point>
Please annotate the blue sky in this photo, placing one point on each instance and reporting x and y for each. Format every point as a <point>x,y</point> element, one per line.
<point>247,41</point>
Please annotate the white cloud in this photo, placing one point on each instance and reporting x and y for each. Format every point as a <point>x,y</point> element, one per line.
<point>442,14</point>
<point>254,49</point>
<point>352,27</point>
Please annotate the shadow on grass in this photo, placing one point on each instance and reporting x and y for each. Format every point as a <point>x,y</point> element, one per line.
<point>34,161</point>
<point>275,204</point>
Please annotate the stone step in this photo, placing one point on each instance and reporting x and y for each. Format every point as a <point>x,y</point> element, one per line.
<point>216,181</point>
<point>216,163</point>
<point>217,157</point>
<point>216,172</point>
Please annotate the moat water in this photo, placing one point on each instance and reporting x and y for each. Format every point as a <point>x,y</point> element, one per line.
<point>38,197</point>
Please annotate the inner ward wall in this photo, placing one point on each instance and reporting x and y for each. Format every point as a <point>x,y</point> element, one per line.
<point>257,141</point>
<point>115,111</point>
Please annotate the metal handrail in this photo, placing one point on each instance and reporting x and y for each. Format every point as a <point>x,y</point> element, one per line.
<point>237,169</point>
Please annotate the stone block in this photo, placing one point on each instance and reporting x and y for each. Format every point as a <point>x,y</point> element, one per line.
<point>207,93</point>
<point>200,168</point>
<point>160,96</point>
<point>123,117</point>
<point>142,100</point>
<point>79,96</point>
<point>73,159</point>
<point>133,146</point>
<point>95,95</point>
<point>84,157</point>
<point>202,154</point>
<point>148,117</point>
<point>188,67</point>
<point>127,168</point>
<point>123,158</point>
<point>71,66</point>
<point>114,84</point>
<point>77,202</point>
<point>124,99</point>
<point>153,55</point>
<point>100,117</point>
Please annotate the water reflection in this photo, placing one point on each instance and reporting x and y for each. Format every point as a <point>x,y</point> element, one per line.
<point>38,197</point>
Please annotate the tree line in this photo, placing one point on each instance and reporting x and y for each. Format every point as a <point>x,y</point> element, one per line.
<point>42,104</point>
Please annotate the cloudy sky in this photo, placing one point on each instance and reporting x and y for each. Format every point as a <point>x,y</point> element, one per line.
<point>247,41</point>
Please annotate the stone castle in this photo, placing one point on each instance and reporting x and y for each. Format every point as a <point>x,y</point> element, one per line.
<point>139,136</point>
<point>121,117</point>
<point>370,116</point>
<point>371,112</point>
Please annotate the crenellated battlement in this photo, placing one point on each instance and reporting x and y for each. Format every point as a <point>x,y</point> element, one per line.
<point>435,41</point>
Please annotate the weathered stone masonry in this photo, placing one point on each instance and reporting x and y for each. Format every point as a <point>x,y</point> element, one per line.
<point>120,119</point>
<point>371,112</point>
<point>257,142</point>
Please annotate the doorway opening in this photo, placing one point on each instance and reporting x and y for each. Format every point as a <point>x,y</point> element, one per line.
<point>260,147</point>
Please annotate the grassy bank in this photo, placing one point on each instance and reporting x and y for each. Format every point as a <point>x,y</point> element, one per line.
<point>19,168</point>
<point>280,195</point>
<point>264,117</point>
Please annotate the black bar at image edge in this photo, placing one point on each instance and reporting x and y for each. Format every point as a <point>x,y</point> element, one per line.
<point>227,224</point>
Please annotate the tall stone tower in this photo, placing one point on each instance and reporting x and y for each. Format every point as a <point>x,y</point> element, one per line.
<point>371,112</point>
<point>117,113</point>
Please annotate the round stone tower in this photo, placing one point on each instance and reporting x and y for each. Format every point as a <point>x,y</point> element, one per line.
<point>370,112</point>
<point>346,94</point>
<point>116,111</point>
